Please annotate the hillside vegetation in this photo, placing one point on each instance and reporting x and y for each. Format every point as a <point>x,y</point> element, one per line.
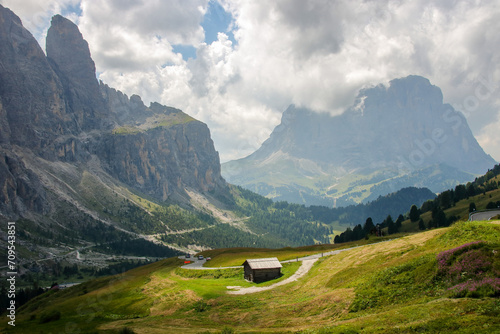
<point>449,206</point>
<point>424,282</point>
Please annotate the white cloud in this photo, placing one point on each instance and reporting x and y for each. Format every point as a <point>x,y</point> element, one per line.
<point>315,53</point>
<point>138,35</point>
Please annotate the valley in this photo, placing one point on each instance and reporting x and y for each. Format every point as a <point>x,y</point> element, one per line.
<point>335,296</point>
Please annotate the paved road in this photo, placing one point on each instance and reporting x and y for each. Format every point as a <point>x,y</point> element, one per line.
<point>198,264</point>
<point>484,215</point>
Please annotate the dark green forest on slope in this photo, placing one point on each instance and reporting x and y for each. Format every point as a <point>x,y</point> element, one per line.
<point>434,209</point>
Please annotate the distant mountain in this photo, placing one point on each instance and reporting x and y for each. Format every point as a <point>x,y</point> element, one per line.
<point>392,137</point>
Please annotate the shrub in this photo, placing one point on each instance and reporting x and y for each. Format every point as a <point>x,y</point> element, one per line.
<point>216,273</point>
<point>201,306</point>
<point>126,330</point>
<point>445,258</point>
<point>49,316</point>
<point>227,330</point>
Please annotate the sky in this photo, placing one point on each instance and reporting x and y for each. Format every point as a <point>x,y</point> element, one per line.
<point>238,64</point>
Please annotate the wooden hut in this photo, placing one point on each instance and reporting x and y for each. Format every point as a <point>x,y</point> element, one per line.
<point>259,270</point>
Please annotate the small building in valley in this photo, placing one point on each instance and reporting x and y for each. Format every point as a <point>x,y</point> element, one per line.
<point>260,270</point>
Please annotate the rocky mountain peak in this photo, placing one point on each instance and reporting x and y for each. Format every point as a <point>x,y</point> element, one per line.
<point>69,55</point>
<point>66,47</point>
<point>24,72</point>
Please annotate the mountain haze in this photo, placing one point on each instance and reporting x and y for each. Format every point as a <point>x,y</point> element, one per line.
<point>392,137</point>
<point>90,175</point>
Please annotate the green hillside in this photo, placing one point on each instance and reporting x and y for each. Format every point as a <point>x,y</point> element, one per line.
<point>406,285</point>
<point>449,206</point>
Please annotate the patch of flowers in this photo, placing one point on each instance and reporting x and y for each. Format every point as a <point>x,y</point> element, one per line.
<point>472,270</point>
<point>486,287</point>
<point>444,258</point>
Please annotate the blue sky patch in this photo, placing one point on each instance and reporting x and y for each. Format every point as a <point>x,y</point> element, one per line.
<point>187,51</point>
<point>216,20</point>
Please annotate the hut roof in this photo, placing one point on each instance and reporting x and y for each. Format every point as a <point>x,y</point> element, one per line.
<point>267,263</point>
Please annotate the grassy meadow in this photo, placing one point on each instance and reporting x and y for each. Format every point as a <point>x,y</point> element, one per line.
<point>396,286</point>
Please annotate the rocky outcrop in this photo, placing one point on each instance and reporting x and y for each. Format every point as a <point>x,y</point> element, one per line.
<point>158,150</point>
<point>32,109</point>
<point>69,56</point>
<point>159,162</point>
<point>20,189</point>
<point>127,111</point>
<point>52,107</point>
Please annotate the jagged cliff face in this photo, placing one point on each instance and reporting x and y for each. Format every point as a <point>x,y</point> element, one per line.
<point>69,56</point>
<point>32,109</point>
<point>157,149</point>
<point>392,137</point>
<point>53,108</point>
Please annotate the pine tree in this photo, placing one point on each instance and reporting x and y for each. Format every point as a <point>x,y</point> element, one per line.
<point>399,222</point>
<point>439,217</point>
<point>391,226</point>
<point>369,226</point>
<point>421,224</point>
<point>472,207</point>
<point>414,213</point>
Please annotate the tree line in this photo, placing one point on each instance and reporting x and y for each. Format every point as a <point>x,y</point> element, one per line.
<point>443,201</point>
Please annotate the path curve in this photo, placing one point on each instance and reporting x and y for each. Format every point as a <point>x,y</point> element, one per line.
<point>483,215</point>
<point>303,269</point>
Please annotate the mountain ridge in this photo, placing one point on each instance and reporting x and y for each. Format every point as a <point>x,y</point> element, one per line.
<point>54,106</point>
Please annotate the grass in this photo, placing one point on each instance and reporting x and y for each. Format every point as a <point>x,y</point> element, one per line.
<point>385,287</point>
<point>126,130</point>
<point>156,121</point>
<point>229,257</point>
<point>173,119</point>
